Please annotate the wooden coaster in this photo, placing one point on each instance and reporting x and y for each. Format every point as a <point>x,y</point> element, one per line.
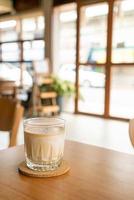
<point>62,169</point>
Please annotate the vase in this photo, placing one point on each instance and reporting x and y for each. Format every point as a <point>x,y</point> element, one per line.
<point>60,103</point>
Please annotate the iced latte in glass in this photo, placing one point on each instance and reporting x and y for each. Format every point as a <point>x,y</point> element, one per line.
<point>44,143</point>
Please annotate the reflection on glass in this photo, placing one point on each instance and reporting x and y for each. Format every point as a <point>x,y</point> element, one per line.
<point>91,89</point>
<point>93,33</point>
<point>10,52</point>
<point>123,32</point>
<point>122,92</point>
<point>33,50</point>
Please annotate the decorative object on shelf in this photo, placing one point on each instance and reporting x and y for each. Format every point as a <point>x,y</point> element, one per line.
<point>44,99</point>
<point>63,88</point>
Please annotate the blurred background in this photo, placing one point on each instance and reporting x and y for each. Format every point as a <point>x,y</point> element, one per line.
<point>68,56</point>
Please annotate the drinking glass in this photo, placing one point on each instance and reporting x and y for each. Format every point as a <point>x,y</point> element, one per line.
<point>44,143</point>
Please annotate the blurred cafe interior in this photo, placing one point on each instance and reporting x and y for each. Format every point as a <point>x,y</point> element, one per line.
<point>68,58</point>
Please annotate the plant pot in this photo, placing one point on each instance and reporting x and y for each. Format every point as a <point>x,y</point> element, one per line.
<point>60,102</point>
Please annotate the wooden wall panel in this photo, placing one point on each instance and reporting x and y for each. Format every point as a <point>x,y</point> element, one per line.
<point>60,2</point>
<point>22,5</point>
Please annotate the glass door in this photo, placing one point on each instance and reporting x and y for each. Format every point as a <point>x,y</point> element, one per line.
<point>64,48</point>
<point>122,63</point>
<point>91,58</point>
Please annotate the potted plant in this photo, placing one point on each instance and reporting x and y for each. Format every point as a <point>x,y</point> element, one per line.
<point>63,88</point>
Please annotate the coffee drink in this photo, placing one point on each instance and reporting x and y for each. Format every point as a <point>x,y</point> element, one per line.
<point>44,146</point>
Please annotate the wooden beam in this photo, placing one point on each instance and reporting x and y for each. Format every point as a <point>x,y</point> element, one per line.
<point>108,60</point>
<point>77,58</point>
<point>47,6</point>
<point>61,2</point>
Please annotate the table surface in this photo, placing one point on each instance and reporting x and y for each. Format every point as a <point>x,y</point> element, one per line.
<point>96,174</point>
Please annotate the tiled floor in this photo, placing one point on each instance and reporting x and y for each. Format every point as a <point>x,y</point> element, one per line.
<point>91,130</point>
<point>110,134</point>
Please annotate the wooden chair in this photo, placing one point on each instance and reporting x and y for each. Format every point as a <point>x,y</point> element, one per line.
<point>131,131</point>
<point>11,113</point>
<point>8,89</point>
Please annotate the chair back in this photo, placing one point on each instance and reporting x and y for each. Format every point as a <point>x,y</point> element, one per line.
<point>131,131</point>
<point>11,113</point>
<point>8,89</point>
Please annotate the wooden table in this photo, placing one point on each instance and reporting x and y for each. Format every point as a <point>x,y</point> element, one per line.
<point>96,174</point>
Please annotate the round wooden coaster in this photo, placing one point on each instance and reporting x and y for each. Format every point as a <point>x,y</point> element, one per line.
<point>62,169</point>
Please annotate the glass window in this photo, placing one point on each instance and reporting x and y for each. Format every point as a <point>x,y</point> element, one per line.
<point>40,27</point>
<point>67,38</point>
<point>9,30</point>
<point>93,33</point>
<point>91,89</point>
<point>28,28</point>
<point>33,50</point>
<point>64,50</point>
<point>33,28</point>
<point>123,32</point>
<point>40,23</point>
<point>122,92</point>
<point>10,52</point>
<point>7,24</point>
<point>28,25</point>
<point>65,35</point>
<point>68,16</point>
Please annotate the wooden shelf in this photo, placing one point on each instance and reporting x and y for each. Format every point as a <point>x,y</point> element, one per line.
<point>47,95</point>
<point>48,109</point>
